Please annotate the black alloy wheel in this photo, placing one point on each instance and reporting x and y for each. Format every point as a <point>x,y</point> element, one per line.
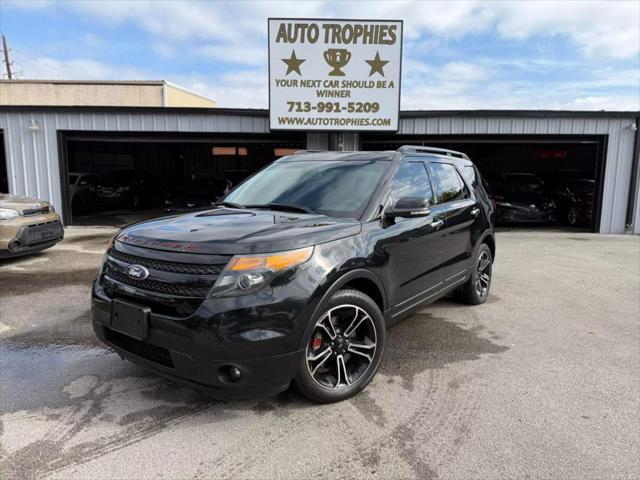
<point>483,273</point>
<point>345,348</point>
<point>476,290</point>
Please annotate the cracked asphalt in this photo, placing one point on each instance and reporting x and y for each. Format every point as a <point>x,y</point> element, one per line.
<point>542,381</point>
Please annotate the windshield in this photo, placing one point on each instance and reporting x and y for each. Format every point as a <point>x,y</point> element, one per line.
<point>72,179</point>
<point>334,188</point>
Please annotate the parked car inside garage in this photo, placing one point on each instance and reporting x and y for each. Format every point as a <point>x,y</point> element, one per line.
<point>574,197</point>
<point>196,195</point>
<point>82,191</point>
<point>523,198</point>
<point>127,188</point>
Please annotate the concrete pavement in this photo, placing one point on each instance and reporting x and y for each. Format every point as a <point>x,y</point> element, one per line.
<point>541,381</point>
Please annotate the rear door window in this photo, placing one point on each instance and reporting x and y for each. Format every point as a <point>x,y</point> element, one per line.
<point>448,184</point>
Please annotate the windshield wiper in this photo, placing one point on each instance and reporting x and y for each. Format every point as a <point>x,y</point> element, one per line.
<point>283,206</point>
<point>229,204</point>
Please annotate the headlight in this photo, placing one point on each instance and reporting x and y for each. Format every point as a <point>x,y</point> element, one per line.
<point>248,273</point>
<point>8,213</point>
<point>52,209</point>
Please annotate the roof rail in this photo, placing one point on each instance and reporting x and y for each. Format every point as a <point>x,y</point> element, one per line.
<point>310,151</point>
<point>434,150</point>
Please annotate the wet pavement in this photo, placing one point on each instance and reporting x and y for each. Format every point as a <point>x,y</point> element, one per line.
<point>542,381</point>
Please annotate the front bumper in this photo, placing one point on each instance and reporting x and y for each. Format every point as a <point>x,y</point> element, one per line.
<point>525,215</point>
<point>199,350</point>
<point>27,235</point>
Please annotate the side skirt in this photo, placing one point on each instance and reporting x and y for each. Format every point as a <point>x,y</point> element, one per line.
<point>430,295</point>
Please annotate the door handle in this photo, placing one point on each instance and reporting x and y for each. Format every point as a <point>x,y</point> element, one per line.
<point>437,224</point>
<point>475,212</point>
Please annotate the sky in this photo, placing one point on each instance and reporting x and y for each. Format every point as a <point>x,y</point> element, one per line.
<point>574,55</point>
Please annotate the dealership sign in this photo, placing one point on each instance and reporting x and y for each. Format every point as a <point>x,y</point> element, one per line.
<point>334,74</point>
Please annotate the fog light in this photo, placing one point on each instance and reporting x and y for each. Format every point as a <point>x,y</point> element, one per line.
<point>229,374</point>
<point>234,374</point>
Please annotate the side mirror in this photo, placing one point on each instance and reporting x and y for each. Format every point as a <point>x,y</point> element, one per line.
<point>409,207</point>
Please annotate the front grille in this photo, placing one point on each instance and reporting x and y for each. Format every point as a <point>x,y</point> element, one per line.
<point>168,277</point>
<point>150,352</point>
<point>42,232</point>
<point>159,287</point>
<point>35,211</point>
<point>174,267</point>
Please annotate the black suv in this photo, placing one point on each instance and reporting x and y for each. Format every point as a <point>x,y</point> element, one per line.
<point>298,272</point>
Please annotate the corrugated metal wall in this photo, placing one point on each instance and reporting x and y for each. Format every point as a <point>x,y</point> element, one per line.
<point>33,164</point>
<point>619,157</point>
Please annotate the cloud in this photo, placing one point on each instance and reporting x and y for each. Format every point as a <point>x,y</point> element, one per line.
<point>239,54</point>
<point>466,85</point>
<point>602,29</point>
<point>452,86</point>
<point>611,102</point>
<point>78,69</point>
<point>599,68</point>
<point>240,89</point>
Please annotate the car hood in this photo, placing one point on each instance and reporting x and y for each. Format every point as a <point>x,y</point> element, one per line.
<point>230,231</point>
<point>20,203</point>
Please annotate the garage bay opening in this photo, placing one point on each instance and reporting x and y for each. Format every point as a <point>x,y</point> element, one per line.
<point>534,181</point>
<point>118,179</point>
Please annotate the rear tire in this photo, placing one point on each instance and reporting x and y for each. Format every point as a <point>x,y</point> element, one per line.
<point>476,290</point>
<point>345,348</point>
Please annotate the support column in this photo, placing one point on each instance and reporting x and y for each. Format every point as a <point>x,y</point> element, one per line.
<point>317,141</point>
<point>344,141</point>
<point>335,141</point>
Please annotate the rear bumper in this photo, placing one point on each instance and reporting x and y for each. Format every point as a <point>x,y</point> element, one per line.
<point>188,355</point>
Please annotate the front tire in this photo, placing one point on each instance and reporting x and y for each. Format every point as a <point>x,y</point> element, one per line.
<point>476,290</point>
<point>345,348</point>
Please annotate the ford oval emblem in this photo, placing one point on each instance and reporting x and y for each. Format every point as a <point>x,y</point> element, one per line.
<point>137,272</point>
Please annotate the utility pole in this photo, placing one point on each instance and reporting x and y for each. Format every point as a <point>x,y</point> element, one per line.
<point>6,56</point>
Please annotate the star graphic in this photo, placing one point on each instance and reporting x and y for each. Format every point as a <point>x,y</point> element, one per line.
<point>377,65</point>
<point>293,63</point>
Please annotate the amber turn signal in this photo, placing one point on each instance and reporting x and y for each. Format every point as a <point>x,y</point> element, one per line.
<point>270,261</point>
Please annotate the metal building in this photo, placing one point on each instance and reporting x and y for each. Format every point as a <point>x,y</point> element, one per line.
<point>37,145</point>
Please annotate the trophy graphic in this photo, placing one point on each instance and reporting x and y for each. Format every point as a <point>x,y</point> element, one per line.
<point>337,58</point>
